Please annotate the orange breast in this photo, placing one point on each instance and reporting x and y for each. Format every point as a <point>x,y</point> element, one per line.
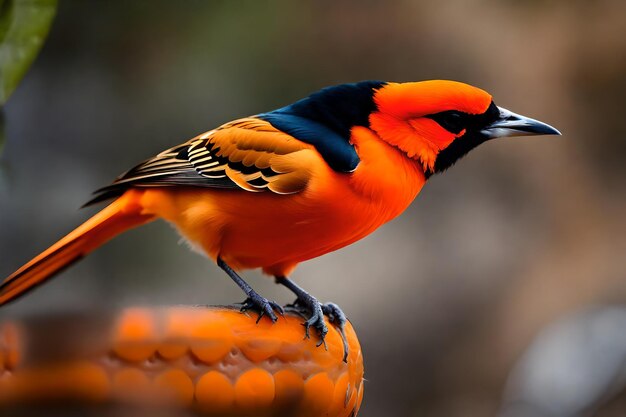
<point>276,232</point>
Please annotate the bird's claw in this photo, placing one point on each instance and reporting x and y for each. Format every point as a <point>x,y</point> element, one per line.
<point>263,306</point>
<point>308,306</point>
<point>337,317</point>
<point>334,313</point>
<point>316,321</point>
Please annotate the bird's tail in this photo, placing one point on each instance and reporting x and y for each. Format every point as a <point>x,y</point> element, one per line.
<point>121,215</point>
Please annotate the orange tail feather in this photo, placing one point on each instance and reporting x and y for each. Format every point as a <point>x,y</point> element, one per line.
<point>121,215</point>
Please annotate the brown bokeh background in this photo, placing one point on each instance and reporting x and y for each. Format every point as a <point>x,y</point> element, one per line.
<point>445,298</point>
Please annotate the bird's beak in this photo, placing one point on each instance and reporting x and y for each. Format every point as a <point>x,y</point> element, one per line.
<point>512,124</point>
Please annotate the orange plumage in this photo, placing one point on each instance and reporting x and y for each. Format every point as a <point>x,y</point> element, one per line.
<point>279,188</point>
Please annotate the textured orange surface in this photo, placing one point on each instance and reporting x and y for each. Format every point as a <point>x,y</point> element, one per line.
<point>215,361</point>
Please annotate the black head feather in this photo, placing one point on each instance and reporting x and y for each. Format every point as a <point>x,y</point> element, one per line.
<point>454,122</point>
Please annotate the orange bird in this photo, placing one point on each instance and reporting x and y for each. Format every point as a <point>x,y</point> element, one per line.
<point>272,190</point>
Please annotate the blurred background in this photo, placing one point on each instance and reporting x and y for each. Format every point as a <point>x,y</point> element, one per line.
<point>447,297</point>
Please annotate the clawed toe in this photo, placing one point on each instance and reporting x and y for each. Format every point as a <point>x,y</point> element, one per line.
<point>334,313</point>
<point>277,307</point>
<point>308,306</point>
<point>337,317</point>
<point>316,321</point>
<point>262,306</point>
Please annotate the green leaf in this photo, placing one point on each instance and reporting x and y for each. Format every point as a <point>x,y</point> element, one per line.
<point>24,25</point>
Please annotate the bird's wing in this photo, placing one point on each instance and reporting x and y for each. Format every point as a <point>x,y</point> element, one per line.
<point>247,154</point>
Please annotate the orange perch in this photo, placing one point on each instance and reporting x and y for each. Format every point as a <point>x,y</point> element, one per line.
<point>212,360</point>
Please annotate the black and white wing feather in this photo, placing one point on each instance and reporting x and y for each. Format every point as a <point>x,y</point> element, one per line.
<point>247,154</point>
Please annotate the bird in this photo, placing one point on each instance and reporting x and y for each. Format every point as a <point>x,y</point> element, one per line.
<point>275,189</point>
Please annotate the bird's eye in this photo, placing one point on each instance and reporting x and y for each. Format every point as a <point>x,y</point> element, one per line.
<point>451,120</point>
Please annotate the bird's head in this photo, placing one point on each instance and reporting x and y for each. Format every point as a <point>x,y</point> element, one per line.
<point>437,122</point>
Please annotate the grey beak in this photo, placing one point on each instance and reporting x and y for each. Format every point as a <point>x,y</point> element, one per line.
<point>512,124</point>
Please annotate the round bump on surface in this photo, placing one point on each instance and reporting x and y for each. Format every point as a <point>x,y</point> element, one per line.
<point>341,395</point>
<point>88,380</point>
<point>134,335</point>
<point>175,386</point>
<point>84,381</point>
<point>211,340</point>
<point>260,348</point>
<point>254,390</point>
<point>131,385</point>
<point>318,394</point>
<point>290,353</point>
<point>289,387</point>
<point>177,328</point>
<point>215,393</point>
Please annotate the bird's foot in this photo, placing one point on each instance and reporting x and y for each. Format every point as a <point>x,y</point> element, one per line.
<point>317,311</point>
<point>337,317</point>
<point>308,306</point>
<point>316,319</point>
<point>314,311</point>
<point>263,306</point>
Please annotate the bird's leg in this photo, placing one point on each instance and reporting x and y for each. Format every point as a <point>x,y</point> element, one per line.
<point>317,312</point>
<point>309,303</point>
<point>254,301</point>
